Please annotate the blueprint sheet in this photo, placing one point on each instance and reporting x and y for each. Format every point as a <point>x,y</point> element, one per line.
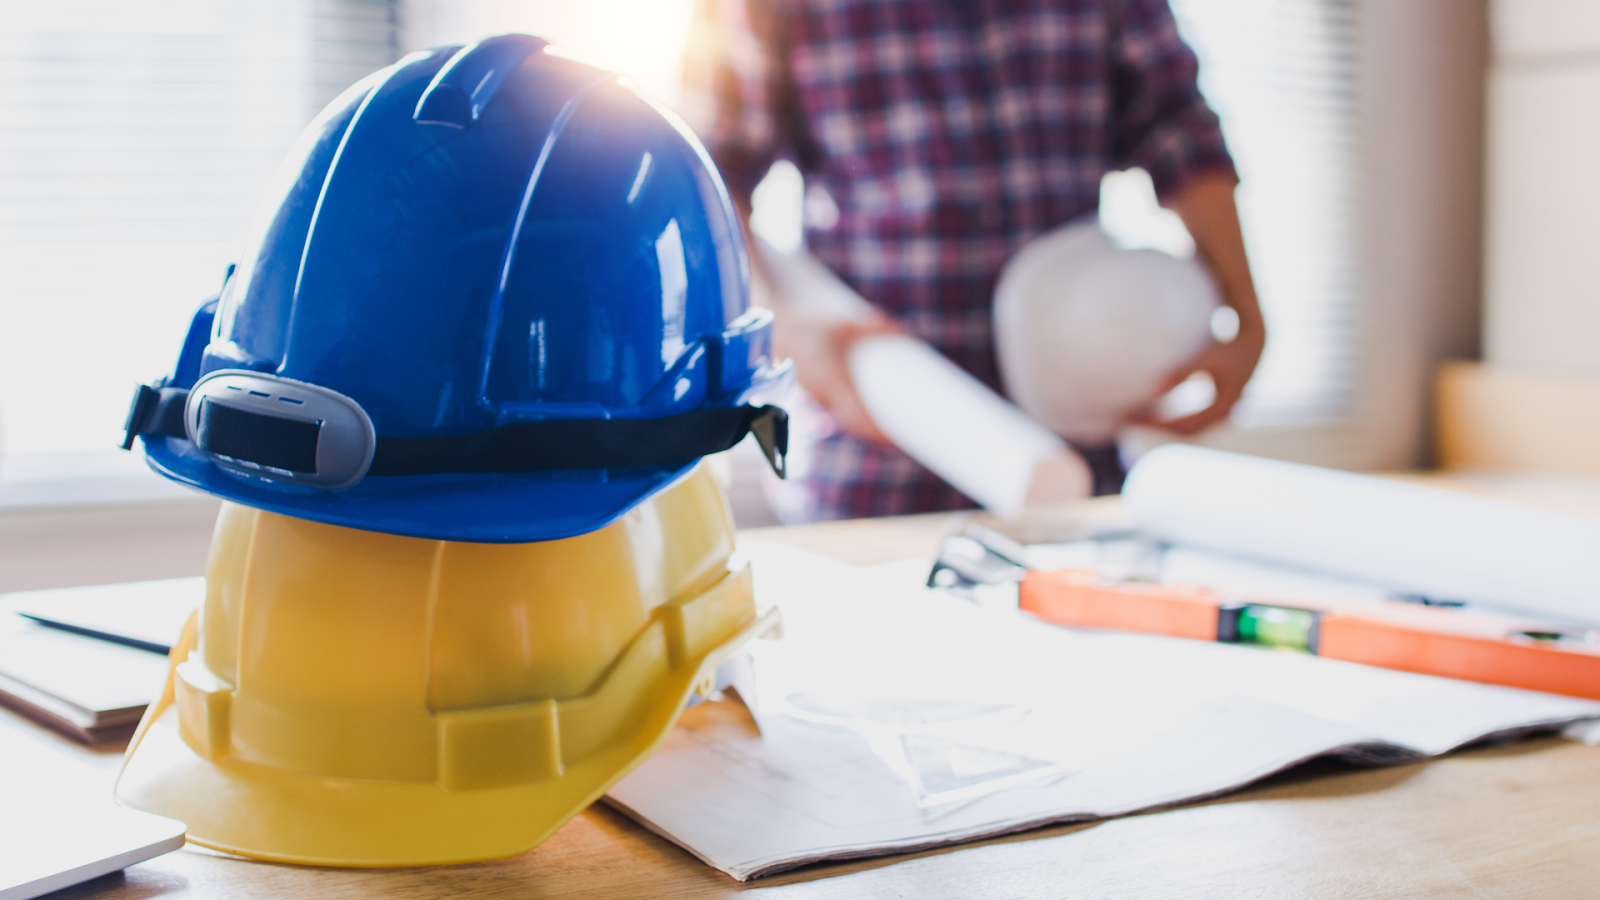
<point>895,718</point>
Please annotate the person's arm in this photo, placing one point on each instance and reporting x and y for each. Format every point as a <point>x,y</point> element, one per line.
<point>1161,123</point>
<point>1205,203</point>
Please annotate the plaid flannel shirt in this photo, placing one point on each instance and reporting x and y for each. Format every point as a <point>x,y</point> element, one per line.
<point>948,133</point>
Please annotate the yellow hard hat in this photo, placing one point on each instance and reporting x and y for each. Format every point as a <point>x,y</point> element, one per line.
<point>354,698</point>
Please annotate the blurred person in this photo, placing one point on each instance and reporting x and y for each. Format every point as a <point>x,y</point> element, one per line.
<point>947,134</point>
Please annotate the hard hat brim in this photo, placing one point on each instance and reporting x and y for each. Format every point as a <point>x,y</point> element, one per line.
<point>285,816</point>
<point>495,508</point>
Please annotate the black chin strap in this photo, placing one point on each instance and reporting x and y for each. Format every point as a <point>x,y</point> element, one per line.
<point>589,443</point>
<point>520,447</point>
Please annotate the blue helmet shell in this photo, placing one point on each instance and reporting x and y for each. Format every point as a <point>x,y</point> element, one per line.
<point>476,237</point>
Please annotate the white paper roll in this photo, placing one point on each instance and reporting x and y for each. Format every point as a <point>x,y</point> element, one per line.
<point>1435,542</point>
<point>932,410</point>
<point>949,421</point>
<point>804,281</point>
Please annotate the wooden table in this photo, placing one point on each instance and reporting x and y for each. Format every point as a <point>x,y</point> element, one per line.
<point>1514,821</point>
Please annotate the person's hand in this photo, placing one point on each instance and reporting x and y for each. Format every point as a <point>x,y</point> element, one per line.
<point>1060,478</point>
<point>820,347</point>
<point>1205,203</point>
<point>1229,365</point>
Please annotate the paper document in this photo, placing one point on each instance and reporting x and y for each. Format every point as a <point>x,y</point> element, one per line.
<point>894,718</point>
<point>1142,559</point>
<point>1443,544</point>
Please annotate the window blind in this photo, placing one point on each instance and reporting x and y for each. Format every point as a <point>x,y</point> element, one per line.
<point>135,142</point>
<point>1282,76</point>
<point>351,39</point>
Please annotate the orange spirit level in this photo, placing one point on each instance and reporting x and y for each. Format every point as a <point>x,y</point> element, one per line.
<point>1432,640</point>
<point>1454,643</point>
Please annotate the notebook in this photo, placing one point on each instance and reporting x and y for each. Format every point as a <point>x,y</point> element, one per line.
<point>91,671</point>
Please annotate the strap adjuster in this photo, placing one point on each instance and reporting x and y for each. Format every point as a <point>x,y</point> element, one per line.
<point>155,410</point>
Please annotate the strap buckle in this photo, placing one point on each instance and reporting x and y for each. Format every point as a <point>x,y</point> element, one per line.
<point>155,409</point>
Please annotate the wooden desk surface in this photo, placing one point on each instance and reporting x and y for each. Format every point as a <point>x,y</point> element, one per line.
<point>1514,821</point>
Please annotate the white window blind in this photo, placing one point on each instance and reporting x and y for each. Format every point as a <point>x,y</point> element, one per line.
<point>1281,74</point>
<point>351,39</point>
<point>135,142</point>
<point>136,139</point>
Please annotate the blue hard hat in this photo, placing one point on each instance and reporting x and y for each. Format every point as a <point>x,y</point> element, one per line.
<point>495,295</point>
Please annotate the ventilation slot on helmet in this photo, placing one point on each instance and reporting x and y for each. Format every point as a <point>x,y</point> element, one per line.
<point>270,442</point>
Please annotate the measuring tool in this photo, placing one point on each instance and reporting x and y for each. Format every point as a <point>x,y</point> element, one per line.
<point>1453,642</point>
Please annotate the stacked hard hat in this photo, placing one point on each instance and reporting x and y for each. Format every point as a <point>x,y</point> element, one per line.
<point>455,396</point>
<point>1087,332</point>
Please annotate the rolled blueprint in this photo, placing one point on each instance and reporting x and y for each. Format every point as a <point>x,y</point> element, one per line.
<point>1435,542</point>
<point>951,422</point>
<point>802,279</point>
<point>931,409</point>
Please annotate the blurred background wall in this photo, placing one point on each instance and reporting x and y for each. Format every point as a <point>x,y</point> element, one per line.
<point>1542,285</point>
<point>1422,90</point>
